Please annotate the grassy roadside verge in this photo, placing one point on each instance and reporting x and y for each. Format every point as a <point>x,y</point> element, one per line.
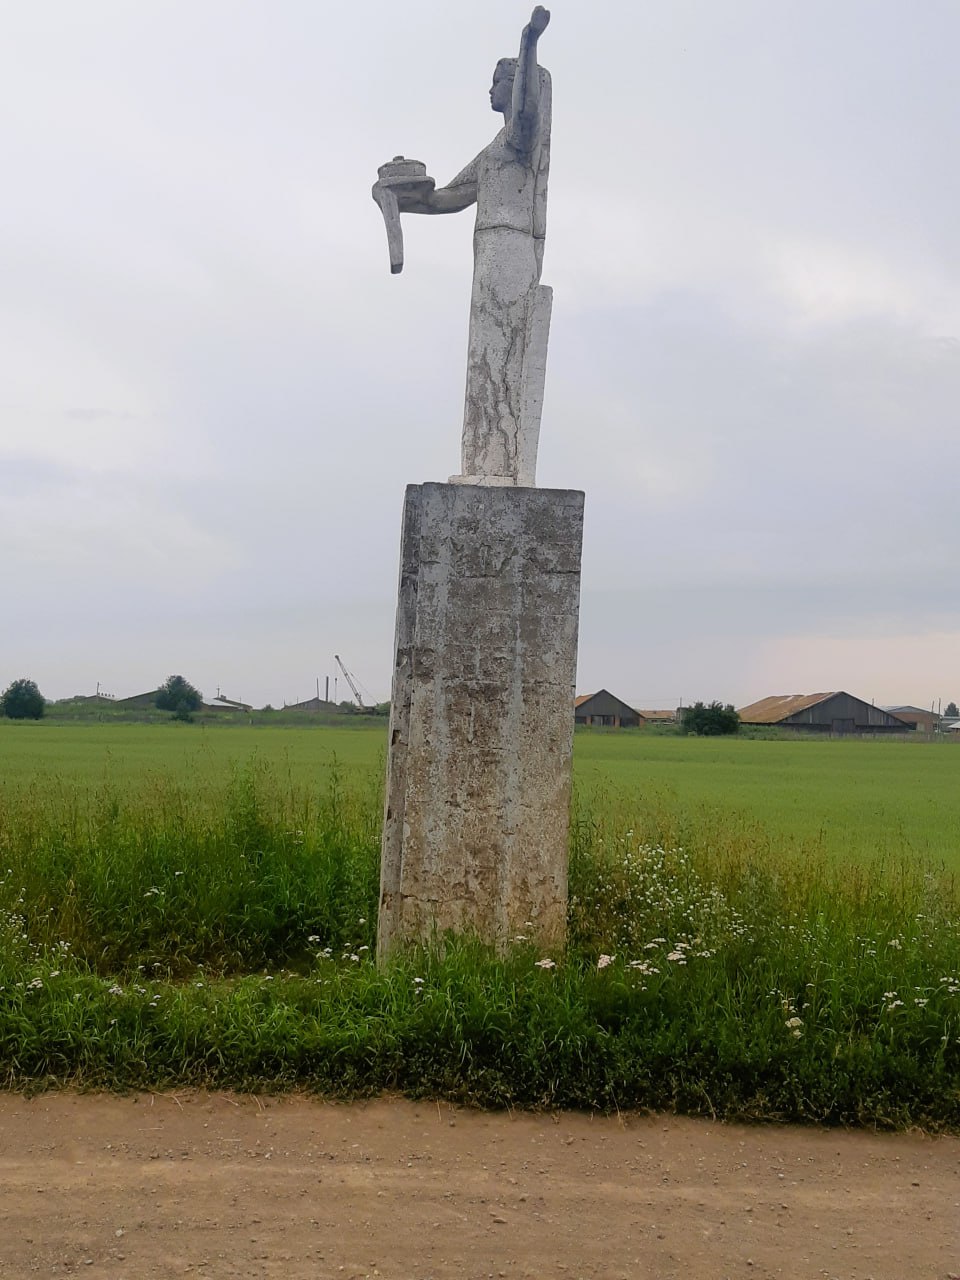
<point>159,941</point>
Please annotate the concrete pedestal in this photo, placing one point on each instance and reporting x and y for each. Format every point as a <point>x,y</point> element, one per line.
<point>481,721</point>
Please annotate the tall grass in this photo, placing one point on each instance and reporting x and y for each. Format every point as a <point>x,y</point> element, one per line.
<point>168,877</point>
<point>174,936</point>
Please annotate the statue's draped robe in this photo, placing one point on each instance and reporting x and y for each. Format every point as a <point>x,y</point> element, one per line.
<point>509,308</point>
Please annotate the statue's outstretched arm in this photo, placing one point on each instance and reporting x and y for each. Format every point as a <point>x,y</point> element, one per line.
<point>525,108</point>
<point>403,186</point>
<point>459,193</point>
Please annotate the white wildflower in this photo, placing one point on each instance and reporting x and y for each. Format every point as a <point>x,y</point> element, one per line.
<point>546,964</point>
<point>604,961</point>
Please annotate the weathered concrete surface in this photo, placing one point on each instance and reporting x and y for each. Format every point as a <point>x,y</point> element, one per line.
<point>481,727</point>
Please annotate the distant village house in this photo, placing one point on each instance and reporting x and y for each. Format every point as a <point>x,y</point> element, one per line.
<point>917,718</point>
<point>603,708</point>
<point>311,704</point>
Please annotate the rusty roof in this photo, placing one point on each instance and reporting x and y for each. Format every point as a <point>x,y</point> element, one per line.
<point>584,697</point>
<point>780,706</point>
<point>669,714</point>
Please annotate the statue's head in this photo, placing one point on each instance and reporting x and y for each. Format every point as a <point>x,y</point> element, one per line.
<point>501,91</point>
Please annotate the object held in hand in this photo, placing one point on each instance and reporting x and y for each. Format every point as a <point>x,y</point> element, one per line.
<point>411,175</point>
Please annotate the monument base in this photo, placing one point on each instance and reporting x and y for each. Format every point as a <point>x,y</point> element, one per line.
<point>481,718</point>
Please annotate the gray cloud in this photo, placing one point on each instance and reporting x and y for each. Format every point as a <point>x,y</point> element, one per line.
<point>214,392</point>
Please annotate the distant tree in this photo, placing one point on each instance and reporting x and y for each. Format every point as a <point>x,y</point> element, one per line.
<point>180,697</point>
<point>951,709</point>
<point>22,700</point>
<point>709,720</point>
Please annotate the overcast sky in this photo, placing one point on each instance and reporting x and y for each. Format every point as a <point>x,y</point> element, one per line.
<point>213,391</point>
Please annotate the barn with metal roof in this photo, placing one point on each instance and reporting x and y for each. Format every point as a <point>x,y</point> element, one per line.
<point>602,708</point>
<point>833,713</point>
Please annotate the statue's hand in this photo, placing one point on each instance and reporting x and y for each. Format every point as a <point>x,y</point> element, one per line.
<point>538,20</point>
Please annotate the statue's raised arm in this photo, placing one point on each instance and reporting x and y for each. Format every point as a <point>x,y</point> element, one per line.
<point>523,122</point>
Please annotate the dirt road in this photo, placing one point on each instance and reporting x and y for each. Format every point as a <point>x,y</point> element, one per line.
<point>206,1185</point>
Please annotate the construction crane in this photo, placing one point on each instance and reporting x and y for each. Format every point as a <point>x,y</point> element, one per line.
<point>353,686</point>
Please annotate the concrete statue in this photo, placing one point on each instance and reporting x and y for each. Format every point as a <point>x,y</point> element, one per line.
<point>477,805</point>
<point>509,307</point>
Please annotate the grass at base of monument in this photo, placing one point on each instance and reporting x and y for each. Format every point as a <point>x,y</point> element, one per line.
<point>229,945</point>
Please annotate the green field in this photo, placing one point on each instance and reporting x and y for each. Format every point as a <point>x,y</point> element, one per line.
<point>764,929</point>
<point>850,798</point>
<point>847,798</point>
